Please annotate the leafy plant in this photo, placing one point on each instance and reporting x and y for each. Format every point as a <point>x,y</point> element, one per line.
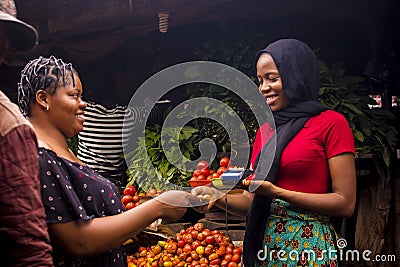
<point>239,55</point>
<point>211,128</point>
<point>160,172</point>
<point>373,129</point>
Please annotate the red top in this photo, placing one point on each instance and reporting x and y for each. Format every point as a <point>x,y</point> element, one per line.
<point>304,162</point>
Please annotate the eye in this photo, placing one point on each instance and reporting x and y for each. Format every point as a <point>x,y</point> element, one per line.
<point>273,79</point>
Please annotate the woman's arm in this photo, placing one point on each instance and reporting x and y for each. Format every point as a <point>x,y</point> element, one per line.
<point>237,204</point>
<point>82,239</point>
<point>339,203</point>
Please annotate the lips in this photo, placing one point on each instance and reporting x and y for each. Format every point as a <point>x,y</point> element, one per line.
<point>271,98</point>
<point>80,117</point>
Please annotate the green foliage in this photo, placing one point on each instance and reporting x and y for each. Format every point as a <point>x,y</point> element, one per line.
<point>210,128</point>
<point>159,172</point>
<point>73,144</point>
<point>373,129</point>
<point>239,55</point>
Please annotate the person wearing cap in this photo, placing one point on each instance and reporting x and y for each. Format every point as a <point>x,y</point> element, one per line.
<point>23,231</point>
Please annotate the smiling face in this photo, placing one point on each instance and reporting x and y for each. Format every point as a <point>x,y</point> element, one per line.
<point>270,83</point>
<point>66,107</point>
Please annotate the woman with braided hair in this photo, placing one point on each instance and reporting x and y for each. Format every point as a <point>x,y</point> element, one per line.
<point>86,220</point>
<point>312,176</point>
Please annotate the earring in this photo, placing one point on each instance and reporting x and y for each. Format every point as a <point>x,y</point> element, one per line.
<point>47,107</point>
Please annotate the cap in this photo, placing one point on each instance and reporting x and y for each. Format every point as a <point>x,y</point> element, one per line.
<point>22,36</point>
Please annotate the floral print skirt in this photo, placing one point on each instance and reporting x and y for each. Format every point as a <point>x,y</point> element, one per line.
<point>297,237</point>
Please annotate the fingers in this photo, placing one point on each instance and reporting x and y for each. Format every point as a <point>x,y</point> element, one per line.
<point>176,198</point>
<point>204,208</point>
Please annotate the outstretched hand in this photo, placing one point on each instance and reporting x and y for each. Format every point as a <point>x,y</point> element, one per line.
<point>174,204</point>
<point>207,197</point>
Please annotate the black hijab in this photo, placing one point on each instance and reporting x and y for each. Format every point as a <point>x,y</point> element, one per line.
<point>299,70</point>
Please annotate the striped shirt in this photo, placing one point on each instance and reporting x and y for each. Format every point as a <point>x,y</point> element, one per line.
<point>100,144</point>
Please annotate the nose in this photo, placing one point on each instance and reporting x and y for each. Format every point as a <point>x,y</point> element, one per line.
<point>83,104</point>
<point>264,87</point>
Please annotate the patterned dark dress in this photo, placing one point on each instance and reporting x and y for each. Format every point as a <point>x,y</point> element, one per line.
<point>72,192</point>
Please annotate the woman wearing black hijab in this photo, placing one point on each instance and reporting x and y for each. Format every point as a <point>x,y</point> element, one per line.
<point>312,175</point>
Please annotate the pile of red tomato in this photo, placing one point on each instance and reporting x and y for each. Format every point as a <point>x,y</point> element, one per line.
<point>130,198</point>
<point>204,173</point>
<point>193,247</point>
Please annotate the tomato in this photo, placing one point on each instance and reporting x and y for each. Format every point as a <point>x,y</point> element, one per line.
<point>198,227</point>
<point>221,170</point>
<point>181,243</point>
<point>130,205</point>
<point>183,256</point>
<point>150,255</point>
<point>200,250</point>
<point>175,262</point>
<point>203,260</point>
<point>135,198</point>
<point>133,188</point>
<point>236,258</point>
<point>213,256</point>
<point>156,249</point>
<point>187,248</point>
<point>228,257</point>
<point>210,239</point>
<point>220,251</point>
<point>215,175</point>
<point>171,247</point>
<point>196,173</point>
<point>229,250</point>
<point>194,233</point>
<point>200,236</point>
<point>224,263</point>
<point>205,172</point>
<point>215,262</point>
<point>126,199</point>
<point>208,250</point>
<point>128,191</point>
<point>218,238</point>
<point>237,250</point>
<point>232,264</point>
<point>201,177</point>
<point>224,162</point>
<point>202,164</point>
<point>194,255</point>
<point>206,232</point>
<point>195,244</point>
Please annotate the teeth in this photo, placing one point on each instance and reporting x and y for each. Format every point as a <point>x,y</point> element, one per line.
<point>271,98</point>
<point>79,116</point>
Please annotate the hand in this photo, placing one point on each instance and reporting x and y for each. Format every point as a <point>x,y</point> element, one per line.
<point>207,196</point>
<point>265,188</point>
<point>174,204</point>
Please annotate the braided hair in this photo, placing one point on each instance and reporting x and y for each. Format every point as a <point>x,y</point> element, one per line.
<point>42,74</point>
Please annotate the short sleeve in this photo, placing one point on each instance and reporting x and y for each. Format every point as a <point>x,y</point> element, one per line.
<point>264,133</point>
<point>60,201</point>
<point>339,137</point>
